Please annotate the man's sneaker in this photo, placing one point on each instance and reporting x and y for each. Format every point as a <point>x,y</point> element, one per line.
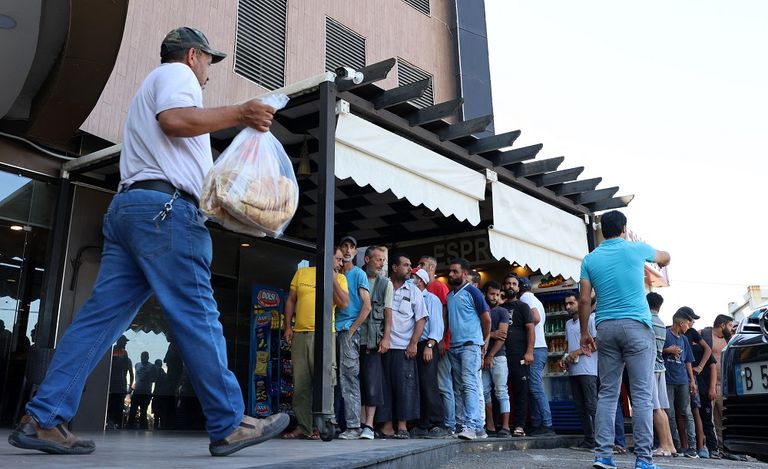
<point>417,432</point>
<point>439,432</point>
<point>645,465</point>
<point>542,431</point>
<point>704,452</point>
<point>467,434</point>
<point>716,454</point>
<point>482,434</point>
<point>604,463</point>
<point>366,433</point>
<point>57,440</point>
<point>250,432</point>
<point>351,434</point>
<point>691,453</point>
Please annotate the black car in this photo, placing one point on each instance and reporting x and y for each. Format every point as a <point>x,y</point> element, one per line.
<point>745,387</point>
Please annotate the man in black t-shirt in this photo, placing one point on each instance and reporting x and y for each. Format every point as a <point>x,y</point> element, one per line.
<point>519,348</point>
<point>706,381</point>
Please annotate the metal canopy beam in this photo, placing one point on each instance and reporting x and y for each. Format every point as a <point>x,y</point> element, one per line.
<point>516,155</point>
<point>608,204</point>
<point>434,113</point>
<point>464,129</point>
<point>494,142</point>
<point>575,187</point>
<point>401,94</point>
<point>595,196</point>
<point>559,177</point>
<point>539,167</point>
<point>371,73</point>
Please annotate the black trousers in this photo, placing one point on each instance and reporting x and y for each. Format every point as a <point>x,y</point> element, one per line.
<point>401,388</point>
<point>584,389</point>
<point>705,412</point>
<point>431,414</point>
<point>518,384</point>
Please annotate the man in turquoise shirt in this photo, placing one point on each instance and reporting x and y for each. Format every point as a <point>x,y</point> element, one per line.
<point>348,322</point>
<point>616,270</point>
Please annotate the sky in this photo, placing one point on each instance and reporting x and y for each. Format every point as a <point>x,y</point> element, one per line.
<point>668,101</point>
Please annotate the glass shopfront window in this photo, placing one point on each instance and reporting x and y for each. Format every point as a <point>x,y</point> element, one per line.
<point>26,208</point>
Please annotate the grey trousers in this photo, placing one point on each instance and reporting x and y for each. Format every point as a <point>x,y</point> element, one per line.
<point>349,376</point>
<point>620,343</point>
<point>680,401</point>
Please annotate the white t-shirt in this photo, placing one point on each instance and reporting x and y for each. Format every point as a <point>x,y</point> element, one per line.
<point>533,302</point>
<point>148,153</point>
<point>407,308</point>
<point>586,365</point>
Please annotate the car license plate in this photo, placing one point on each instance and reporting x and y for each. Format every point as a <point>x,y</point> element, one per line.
<point>752,378</point>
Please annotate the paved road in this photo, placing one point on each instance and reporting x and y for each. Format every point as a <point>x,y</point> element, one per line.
<point>569,459</point>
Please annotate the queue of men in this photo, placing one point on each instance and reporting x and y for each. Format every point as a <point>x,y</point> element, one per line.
<point>421,359</point>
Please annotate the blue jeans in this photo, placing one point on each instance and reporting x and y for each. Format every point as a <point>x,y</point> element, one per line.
<point>630,343</point>
<point>497,376</point>
<point>465,361</point>
<point>170,258</point>
<point>540,413</point>
<point>445,385</point>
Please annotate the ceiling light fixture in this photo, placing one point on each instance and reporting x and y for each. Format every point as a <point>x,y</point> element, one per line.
<point>245,245</point>
<point>6,22</point>
<point>17,227</point>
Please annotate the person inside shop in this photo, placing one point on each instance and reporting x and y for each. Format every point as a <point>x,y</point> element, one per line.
<point>470,320</point>
<point>444,375</point>
<point>401,385</point>
<point>541,415</point>
<point>495,369</point>
<point>681,384</point>
<point>616,270</point>
<point>375,334</point>
<point>430,424</point>
<point>666,446</point>
<point>348,321</point>
<point>142,392</point>
<point>582,371</point>
<point>165,156</point>
<point>300,314</point>
<point>119,387</point>
<point>162,397</point>
<point>521,337</point>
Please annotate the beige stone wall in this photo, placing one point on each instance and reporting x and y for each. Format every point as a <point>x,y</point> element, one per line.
<point>392,28</point>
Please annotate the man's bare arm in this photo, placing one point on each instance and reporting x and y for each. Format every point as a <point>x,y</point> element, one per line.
<point>194,121</point>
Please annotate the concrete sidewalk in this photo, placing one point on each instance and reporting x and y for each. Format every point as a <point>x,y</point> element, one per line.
<point>166,450</point>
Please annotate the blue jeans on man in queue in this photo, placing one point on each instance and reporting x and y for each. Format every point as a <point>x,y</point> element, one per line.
<point>445,385</point>
<point>539,402</point>
<point>630,343</point>
<point>465,362</point>
<point>143,255</point>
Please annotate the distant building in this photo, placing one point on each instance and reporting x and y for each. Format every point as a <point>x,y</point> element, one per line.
<point>755,297</point>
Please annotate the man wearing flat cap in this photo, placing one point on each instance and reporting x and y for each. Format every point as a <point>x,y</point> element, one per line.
<point>156,241</point>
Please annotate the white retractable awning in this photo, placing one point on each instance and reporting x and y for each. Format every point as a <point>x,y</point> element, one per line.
<point>371,155</point>
<point>529,231</point>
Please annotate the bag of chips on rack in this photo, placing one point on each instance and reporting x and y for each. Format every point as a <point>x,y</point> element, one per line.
<point>252,188</point>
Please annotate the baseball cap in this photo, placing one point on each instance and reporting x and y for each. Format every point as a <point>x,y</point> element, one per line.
<point>348,238</point>
<point>688,312</point>
<point>122,339</point>
<point>187,38</point>
<point>524,283</point>
<point>422,274</point>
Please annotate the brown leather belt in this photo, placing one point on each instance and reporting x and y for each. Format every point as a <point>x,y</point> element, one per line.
<point>165,187</point>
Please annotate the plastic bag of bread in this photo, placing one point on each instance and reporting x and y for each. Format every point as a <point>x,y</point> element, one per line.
<point>252,188</point>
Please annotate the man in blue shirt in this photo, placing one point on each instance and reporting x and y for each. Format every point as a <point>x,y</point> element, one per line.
<point>470,323</point>
<point>348,321</point>
<point>678,357</point>
<point>616,271</point>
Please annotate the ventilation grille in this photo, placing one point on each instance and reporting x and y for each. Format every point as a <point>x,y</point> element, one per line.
<point>343,47</point>
<point>260,44</point>
<point>409,73</point>
<point>421,5</point>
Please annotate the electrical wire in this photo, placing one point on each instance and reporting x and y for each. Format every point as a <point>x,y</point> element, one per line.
<point>38,147</point>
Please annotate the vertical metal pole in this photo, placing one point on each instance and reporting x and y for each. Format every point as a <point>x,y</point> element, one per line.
<point>322,389</point>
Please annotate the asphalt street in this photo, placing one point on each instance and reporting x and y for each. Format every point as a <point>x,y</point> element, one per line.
<point>570,459</point>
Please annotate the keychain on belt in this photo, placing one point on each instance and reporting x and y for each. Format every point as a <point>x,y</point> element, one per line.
<point>167,207</point>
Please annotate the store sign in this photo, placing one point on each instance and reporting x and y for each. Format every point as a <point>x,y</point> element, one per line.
<point>476,250</point>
